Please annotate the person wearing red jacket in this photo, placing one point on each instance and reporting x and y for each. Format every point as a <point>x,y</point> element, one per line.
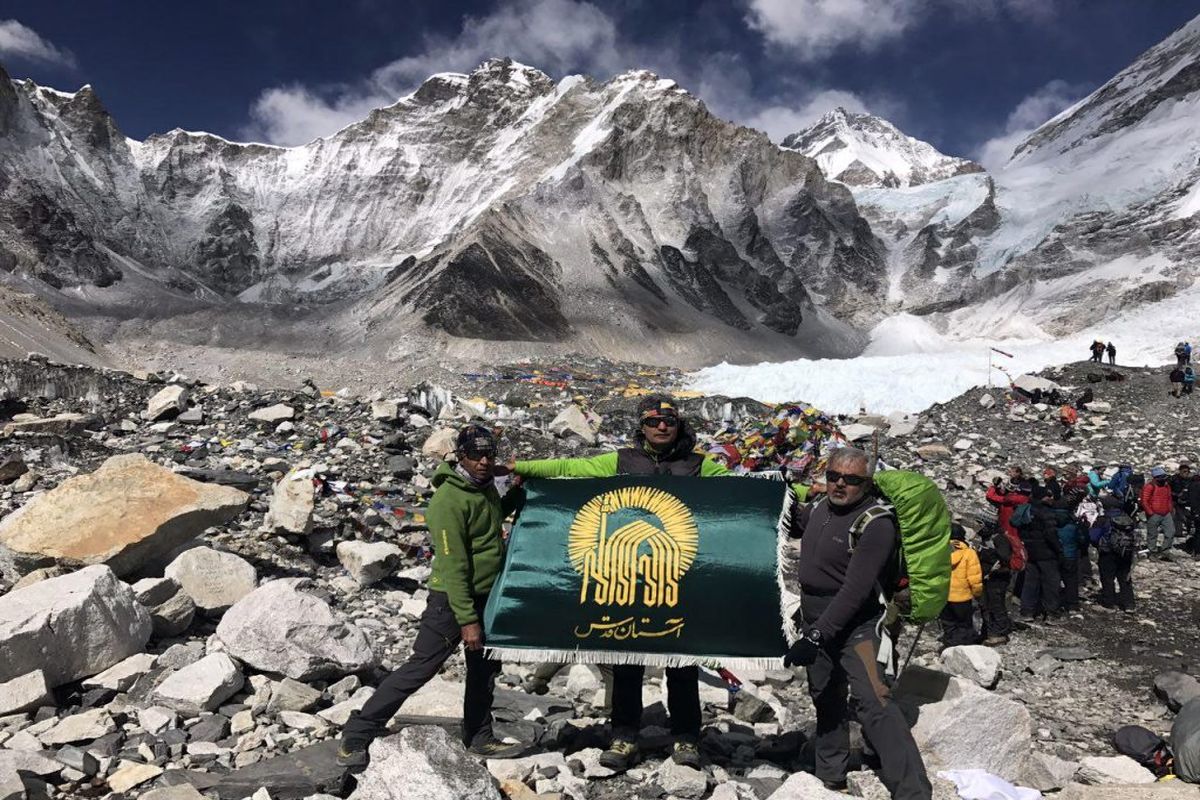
<point>1159,508</point>
<point>1006,503</point>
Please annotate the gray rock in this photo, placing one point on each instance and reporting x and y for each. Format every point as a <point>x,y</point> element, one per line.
<point>280,628</point>
<point>424,762</point>
<point>156,719</point>
<point>122,675</point>
<point>213,579</point>
<point>36,764</point>
<point>174,616</point>
<point>25,693</point>
<point>292,505</point>
<point>1046,772</point>
<point>273,414</point>
<point>299,774</point>
<point>70,627</point>
<point>961,726</point>
<point>369,562</point>
<point>168,403</point>
<point>804,786</point>
<point>82,727</point>
<point>202,686</point>
<point>290,695</point>
<point>681,781</point>
<point>1176,688</point>
<point>77,759</point>
<point>1097,770</point>
<point>152,591</point>
<point>385,410</point>
<point>973,662</point>
<point>573,420</point>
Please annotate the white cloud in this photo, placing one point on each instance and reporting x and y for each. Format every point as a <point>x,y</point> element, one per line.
<point>1027,117</point>
<point>812,29</point>
<point>20,42</point>
<point>553,35</point>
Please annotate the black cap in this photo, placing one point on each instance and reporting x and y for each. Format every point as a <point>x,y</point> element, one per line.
<point>653,405</point>
<point>958,532</point>
<point>475,441</point>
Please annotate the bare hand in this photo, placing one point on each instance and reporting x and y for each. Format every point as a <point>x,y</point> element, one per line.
<point>472,636</point>
<point>500,470</point>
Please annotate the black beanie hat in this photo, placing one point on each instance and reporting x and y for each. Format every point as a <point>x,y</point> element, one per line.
<point>475,441</point>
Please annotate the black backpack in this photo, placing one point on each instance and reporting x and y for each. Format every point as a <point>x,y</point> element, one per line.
<point>1121,536</point>
<point>1145,747</point>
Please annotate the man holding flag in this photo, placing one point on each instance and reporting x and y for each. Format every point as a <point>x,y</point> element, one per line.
<point>664,445</point>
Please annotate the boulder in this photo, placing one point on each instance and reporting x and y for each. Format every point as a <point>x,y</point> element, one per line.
<point>213,579</point>
<point>1172,790</point>
<point>70,627</point>
<point>202,686</point>
<point>301,773</point>
<point>82,727</point>
<point>961,726</point>
<point>25,693</point>
<point>986,401</point>
<point>385,410</point>
<point>168,403</point>
<point>61,425</point>
<point>292,505</point>
<point>933,452</point>
<point>973,662</point>
<point>804,786</point>
<point>1046,772</point>
<point>424,762</point>
<point>280,628</point>
<point>369,562</point>
<point>856,432</point>
<point>122,675</point>
<point>127,513</point>
<point>1032,383</point>
<point>1176,688</point>
<point>440,443</point>
<point>680,781</point>
<point>573,420</point>
<point>272,414</point>
<point>290,695</point>
<point>130,774</point>
<point>1099,770</point>
<point>11,469</point>
<point>173,616</point>
<point>1099,407</point>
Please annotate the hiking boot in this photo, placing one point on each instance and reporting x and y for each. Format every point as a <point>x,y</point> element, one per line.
<point>620,755</point>
<point>494,748</point>
<point>836,786</point>
<point>686,754</point>
<point>995,641</point>
<point>351,755</point>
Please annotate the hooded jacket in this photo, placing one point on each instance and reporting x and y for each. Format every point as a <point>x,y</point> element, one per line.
<point>465,529</point>
<point>1156,500</point>
<point>966,573</point>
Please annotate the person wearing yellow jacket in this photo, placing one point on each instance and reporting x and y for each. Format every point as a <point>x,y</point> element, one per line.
<point>966,586</point>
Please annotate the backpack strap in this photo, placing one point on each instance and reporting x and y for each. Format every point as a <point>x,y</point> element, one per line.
<point>888,625</point>
<point>873,512</point>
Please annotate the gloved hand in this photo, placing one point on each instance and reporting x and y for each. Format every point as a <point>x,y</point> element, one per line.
<point>804,652</point>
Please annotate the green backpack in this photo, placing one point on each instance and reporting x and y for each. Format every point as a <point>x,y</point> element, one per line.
<point>924,522</point>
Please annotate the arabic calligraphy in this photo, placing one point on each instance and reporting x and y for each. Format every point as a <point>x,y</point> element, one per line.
<point>629,628</point>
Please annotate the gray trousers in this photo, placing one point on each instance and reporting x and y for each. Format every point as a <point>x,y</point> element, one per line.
<point>1155,524</point>
<point>849,663</point>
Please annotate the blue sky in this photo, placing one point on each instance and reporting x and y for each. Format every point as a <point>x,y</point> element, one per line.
<point>971,76</point>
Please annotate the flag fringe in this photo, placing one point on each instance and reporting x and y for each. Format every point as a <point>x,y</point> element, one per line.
<point>530,655</point>
<point>782,546</point>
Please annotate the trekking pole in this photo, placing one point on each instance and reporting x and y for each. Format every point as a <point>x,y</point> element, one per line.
<point>912,649</point>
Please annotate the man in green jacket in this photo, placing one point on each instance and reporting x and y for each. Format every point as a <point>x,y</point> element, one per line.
<point>665,445</point>
<point>464,519</point>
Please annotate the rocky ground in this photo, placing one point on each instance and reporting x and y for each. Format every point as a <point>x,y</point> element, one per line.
<point>200,582</point>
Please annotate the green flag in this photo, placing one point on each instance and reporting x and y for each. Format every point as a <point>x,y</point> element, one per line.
<point>655,570</point>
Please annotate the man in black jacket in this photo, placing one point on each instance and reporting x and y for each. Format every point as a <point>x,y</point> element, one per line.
<point>839,610</point>
<point>1184,512</point>
<point>1043,550</point>
<point>994,560</point>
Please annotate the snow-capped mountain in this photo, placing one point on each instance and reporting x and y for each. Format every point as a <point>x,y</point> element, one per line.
<point>868,151</point>
<point>498,205</point>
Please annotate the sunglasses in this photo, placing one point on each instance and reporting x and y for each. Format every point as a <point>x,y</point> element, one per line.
<point>833,476</point>
<point>478,454</point>
<point>654,422</point>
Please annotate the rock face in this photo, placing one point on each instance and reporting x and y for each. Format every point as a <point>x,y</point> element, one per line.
<point>292,505</point>
<point>961,726</point>
<point>368,562</point>
<point>212,579</point>
<point>70,627</point>
<point>124,514</point>
<point>423,762</point>
<point>202,686</point>
<point>280,628</point>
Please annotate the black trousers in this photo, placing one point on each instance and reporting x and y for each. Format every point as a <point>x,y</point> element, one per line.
<point>1114,572</point>
<point>437,638</point>
<point>1039,593</point>
<point>1069,570</point>
<point>958,624</point>
<point>1085,562</point>
<point>996,621</point>
<point>683,701</point>
<point>847,664</point>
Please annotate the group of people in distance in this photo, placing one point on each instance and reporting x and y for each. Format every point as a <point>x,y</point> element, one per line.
<point>1040,546</point>
<point>838,643</point>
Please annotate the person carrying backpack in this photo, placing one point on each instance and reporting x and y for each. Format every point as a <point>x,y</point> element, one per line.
<point>1006,503</point>
<point>1159,508</point>
<point>1097,349</point>
<point>994,560</point>
<point>966,586</point>
<point>1067,417</point>
<point>1039,533</point>
<point>1189,379</point>
<point>1070,537</point>
<point>1115,535</point>
<point>1112,354</point>
<point>1181,354</point>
